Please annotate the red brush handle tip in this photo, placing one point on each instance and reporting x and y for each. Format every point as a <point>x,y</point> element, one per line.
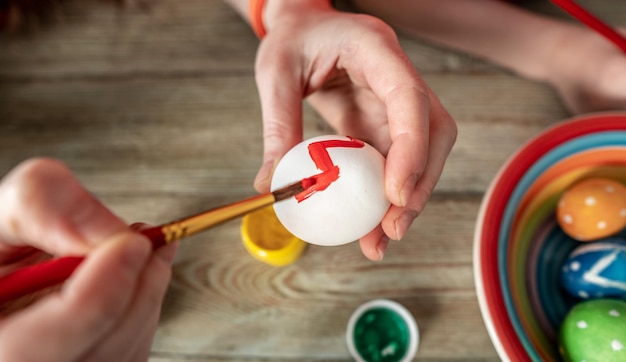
<point>54,271</point>
<point>37,277</point>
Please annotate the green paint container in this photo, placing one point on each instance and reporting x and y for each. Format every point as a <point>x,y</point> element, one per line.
<point>382,330</point>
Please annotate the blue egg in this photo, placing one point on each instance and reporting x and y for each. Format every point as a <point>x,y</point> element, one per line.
<point>596,270</point>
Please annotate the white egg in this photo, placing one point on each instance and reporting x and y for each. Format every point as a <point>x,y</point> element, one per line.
<point>348,205</point>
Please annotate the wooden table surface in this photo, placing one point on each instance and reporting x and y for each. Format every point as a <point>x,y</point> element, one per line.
<point>156,111</point>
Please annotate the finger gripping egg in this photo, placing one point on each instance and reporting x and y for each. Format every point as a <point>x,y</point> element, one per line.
<point>592,209</point>
<point>347,197</point>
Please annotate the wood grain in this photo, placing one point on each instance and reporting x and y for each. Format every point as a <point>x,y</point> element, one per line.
<point>156,111</point>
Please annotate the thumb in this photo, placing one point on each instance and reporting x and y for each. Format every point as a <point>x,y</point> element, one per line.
<point>43,205</point>
<point>278,80</point>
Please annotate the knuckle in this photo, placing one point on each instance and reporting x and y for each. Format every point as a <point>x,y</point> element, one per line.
<point>376,25</point>
<point>275,132</point>
<point>270,61</point>
<point>21,190</point>
<point>277,136</point>
<point>448,126</point>
<point>422,194</point>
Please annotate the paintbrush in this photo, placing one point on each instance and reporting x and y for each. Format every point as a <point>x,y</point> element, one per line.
<point>54,271</point>
<point>592,22</point>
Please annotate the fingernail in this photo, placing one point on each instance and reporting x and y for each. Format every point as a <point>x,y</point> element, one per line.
<point>407,189</point>
<point>138,226</point>
<point>381,247</point>
<point>403,223</point>
<point>261,181</point>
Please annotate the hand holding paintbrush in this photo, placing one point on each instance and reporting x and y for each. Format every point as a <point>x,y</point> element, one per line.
<point>52,272</point>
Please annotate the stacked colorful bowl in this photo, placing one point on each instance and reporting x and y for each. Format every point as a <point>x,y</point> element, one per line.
<point>519,248</point>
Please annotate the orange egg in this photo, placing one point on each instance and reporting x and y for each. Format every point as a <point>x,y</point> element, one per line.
<point>593,209</point>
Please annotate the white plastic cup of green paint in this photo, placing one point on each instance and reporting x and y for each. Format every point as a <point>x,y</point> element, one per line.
<point>382,330</point>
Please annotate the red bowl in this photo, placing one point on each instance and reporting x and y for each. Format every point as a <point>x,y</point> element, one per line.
<point>486,273</point>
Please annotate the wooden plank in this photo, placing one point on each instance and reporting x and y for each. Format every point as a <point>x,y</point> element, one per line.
<point>97,38</point>
<point>165,135</point>
<point>157,112</point>
<point>113,134</point>
<point>192,37</point>
<point>222,303</point>
<point>172,37</point>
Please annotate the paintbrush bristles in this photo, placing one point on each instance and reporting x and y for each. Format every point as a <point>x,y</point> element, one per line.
<point>288,191</point>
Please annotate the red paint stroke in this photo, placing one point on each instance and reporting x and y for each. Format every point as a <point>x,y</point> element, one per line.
<point>330,172</point>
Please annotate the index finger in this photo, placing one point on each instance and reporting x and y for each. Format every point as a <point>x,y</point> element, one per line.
<point>382,65</point>
<point>43,205</point>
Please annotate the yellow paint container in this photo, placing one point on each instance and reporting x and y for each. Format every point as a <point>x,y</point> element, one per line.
<point>267,240</point>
